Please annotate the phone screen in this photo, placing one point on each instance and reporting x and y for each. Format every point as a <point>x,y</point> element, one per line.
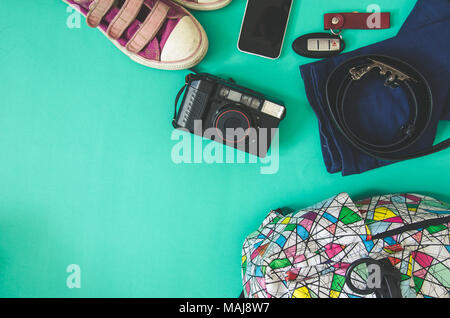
<point>264,27</point>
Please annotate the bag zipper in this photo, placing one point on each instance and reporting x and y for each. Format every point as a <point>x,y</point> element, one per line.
<point>412,226</point>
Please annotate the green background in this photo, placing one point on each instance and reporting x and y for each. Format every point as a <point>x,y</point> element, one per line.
<point>86,175</point>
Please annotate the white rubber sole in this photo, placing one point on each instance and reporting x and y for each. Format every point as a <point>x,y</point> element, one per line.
<point>203,7</point>
<point>196,58</point>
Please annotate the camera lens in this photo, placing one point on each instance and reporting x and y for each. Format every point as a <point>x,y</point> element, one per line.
<point>232,125</point>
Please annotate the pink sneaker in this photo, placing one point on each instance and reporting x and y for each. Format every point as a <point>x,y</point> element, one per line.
<point>155,33</point>
<point>204,5</point>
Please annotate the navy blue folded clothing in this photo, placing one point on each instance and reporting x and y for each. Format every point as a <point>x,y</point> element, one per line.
<point>423,43</point>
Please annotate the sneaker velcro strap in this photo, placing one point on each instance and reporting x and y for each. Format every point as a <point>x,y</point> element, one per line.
<point>124,18</point>
<point>149,28</point>
<point>97,11</point>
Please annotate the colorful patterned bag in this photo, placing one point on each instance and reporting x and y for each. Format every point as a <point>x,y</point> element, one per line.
<point>311,253</point>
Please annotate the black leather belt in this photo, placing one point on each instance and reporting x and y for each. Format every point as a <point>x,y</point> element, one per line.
<point>397,74</point>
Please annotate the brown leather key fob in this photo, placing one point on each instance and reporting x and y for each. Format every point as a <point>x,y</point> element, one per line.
<point>319,45</point>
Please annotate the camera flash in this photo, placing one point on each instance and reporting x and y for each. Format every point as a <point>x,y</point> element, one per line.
<point>273,109</point>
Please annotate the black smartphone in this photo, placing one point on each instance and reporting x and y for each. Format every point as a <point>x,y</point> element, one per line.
<point>264,27</point>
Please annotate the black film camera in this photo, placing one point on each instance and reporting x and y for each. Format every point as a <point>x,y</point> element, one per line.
<point>228,113</point>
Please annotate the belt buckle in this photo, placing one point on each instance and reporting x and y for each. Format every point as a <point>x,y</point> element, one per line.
<point>392,74</point>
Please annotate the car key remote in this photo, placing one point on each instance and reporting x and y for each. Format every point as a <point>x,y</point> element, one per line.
<point>319,45</point>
